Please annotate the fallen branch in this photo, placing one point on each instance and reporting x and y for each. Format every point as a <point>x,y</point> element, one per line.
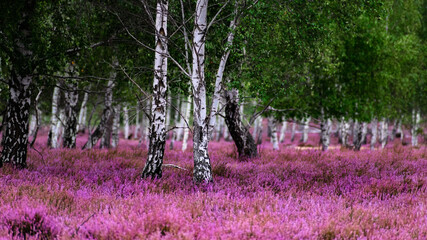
<point>174,166</point>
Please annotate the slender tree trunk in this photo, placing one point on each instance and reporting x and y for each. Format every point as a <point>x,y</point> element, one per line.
<point>116,127</point>
<point>259,131</point>
<point>52,140</point>
<point>168,115</point>
<point>294,127</point>
<point>305,129</point>
<point>325,131</point>
<point>70,128</point>
<point>137,123</point>
<point>361,134</point>
<point>415,126</point>
<point>383,132</point>
<point>107,115</point>
<point>186,129</point>
<point>273,126</point>
<point>153,166</point>
<point>344,132</point>
<point>218,128</point>
<point>374,127</point>
<point>81,125</point>
<point>283,131</point>
<point>202,167</point>
<point>355,132</point>
<point>181,124</point>
<point>242,138</point>
<point>33,123</point>
<point>106,135</point>
<point>399,132</point>
<point>126,122</point>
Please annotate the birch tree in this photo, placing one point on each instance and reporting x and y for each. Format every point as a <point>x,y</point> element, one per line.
<point>52,140</point>
<point>153,165</point>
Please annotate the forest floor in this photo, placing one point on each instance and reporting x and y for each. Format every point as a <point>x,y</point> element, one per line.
<point>286,194</point>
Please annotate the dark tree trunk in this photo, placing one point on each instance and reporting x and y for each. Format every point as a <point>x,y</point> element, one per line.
<point>202,172</point>
<point>70,129</point>
<point>244,141</point>
<point>15,136</point>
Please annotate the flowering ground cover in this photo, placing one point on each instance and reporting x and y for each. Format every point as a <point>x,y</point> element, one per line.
<point>286,194</point>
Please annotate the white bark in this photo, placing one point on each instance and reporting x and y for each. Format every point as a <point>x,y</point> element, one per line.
<point>186,129</point>
<point>33,123</point>
<point>126,122</point>
<point>273,127</point>
<point>181,124</point>
<point>415,126</point>
<point>345,128</point>
<point>283,131</point>
<point>220,73</point>
<point>116,127</point>
<point>294,127</point>
<point>153,166</point>
<point>305,129</point>
<point>374,127</point>
<point>383,132</point>
<point>136,129</point>
<point>53,133</point>
<point>82,114</point>
<point>202,166</point>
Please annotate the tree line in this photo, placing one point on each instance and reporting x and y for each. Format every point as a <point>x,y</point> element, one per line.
<point>81,66</point>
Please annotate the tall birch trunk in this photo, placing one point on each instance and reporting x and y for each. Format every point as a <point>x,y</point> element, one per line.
<point>383,132</point>
<point>374,127</point>
<point>283,131</point>
<point>294,127</point>
<point>15,135</point>
<point>116,127</point>
<point>202,167</point>
<point>259,131</point>
<point>52,140</point>
<point>361,134</point>
<point>220,74</point>
<point>153,166</point>
<point>137,123</point>
<point>126,122</point>
<point>81,125</point>
<point>70,128</point>
<point>168,115</point>
<point>345,127</point>
<point>181,124</point>
<point>305,129</point>
<point>415,126</point>
<point>325,127</point>
<point>355,132</point>
<point>16,132</point>
<point>107,115</point>
<point>186,129</point>
<point>273,126</point>
<point>242,138</point>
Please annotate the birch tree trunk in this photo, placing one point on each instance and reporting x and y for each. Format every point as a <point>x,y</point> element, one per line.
<point>107,115</point>
<point>186,129</point>
<point>153,166</point>
<point>374,127</point>
<point>81,125</point>
<point>202,167</point>
<point>415,126</point>
<point>383,132</point>
<point>70,128</point>
<point>60,125</point>
<point>126,122</point>
<point>137,123</point>
<point>242,138</point>
<point>355,132</point>
<point>168,114</point>
<point>361,134</point>
<point>294,126</point>
<point>259,131</point>
<point>15,135</point>
<point>16,132</point>
<point>305,129</point>
<point>52,140</point>
<point>218,128</point>
<point>283,131</point>
<point>273,126</point>
<point>116,127</point>
<point>181,124</point>
<point>325,127</point>
<point>344,132</point>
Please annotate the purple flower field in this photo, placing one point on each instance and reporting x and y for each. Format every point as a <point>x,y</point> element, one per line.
<point>286,194</point>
